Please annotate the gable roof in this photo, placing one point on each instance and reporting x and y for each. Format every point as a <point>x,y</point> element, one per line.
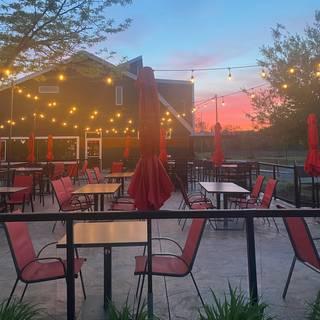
<point>130,75</point>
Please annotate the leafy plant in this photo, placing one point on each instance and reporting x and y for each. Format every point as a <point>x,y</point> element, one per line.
<point>236,307</point>
<point>19,311</point>
<point>314,313</point>
<point>125,312</point>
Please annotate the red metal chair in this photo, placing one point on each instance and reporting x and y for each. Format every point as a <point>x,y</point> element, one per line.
<point>99,175</point>
<point>254,195</point>
<point>22,197</point>
<point>82,172</point>
<point>194,202</point>
<point>116,167</point>
<point>30,268</point>
<point>171,265</point>
<point>72,171</point>
<point>303,245</point>
<point>65,201</point>
<point>68,186</point>
<point>265,201</point>
<point>90,177</point>
<point>58,171</point>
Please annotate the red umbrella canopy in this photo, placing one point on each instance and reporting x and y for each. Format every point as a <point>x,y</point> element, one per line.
<point>31,157</point>
<point>150,186</point>
<point>163,146</point>
<point>50,148</point>
<point>126,150</point>
<point>217,156</point>
<point>312,163</point>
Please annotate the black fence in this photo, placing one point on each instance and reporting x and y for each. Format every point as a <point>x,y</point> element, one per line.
<point>70,218</point>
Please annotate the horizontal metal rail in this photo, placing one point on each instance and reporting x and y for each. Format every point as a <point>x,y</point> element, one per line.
<point>248,214</point>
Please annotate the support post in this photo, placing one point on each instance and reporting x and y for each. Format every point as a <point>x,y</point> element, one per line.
<point>70,271</point>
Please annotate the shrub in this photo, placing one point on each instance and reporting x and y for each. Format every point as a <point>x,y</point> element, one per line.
<point>314,312</point>
<point>19,311</point>
<point>236,307</point>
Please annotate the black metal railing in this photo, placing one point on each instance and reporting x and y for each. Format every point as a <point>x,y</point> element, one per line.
<point>70,218</point>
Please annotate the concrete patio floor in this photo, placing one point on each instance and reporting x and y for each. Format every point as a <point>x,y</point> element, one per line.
<point>221,260</point>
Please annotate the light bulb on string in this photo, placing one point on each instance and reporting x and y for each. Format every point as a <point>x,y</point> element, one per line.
<point>222,102</point>
<point>263,73</point>
<point>229,75</point>
<point>292,70</point>
<point>192,77</point>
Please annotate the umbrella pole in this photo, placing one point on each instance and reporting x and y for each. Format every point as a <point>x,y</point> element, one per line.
<point>150,293</point>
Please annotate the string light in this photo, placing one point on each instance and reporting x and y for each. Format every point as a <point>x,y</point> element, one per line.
<point>23,118</point>
<point>109,80</point>
<point>19,90</point>
<point>95,112</point>
<point>291,70</point>
<point>28,95</point>
<point>41,115</point>
<point>252,96</point>
<point>36,98</point>
<point>118,115</point>
<point>284,86</point>
<point>192,77</point>
<point>75,126</point>
<point>222,102</point>
<point>2,126</point>
<point>61,77</point>
<point>130,121</point>
<point>111,120</point>
<point>53,120</point>
<point>229,75</point>
<point>263,74</point>
<point>64,124</point>
<point>92,116</point>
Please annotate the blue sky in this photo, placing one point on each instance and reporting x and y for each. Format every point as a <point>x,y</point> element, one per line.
<point>206,33</point>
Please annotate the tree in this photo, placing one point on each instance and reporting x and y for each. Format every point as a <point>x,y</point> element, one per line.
<point>39,33</point>
<point>292,65</point>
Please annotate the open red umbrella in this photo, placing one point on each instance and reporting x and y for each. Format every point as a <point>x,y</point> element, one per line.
<point>50,148</point>
<point>150,186</point>
<point>312,163</point>
<point>163,147</point>
<point>31,141</point>
<point>217,156</point>
<point>126,150</point>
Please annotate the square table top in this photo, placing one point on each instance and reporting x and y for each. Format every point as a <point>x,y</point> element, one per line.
<point>120,174</point>
<point>6,190</point>
<point>222,187</point>
<point>104,234</point>
<point>98,188</point>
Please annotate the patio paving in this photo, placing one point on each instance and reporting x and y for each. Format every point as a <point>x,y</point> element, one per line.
<point>221,259</point>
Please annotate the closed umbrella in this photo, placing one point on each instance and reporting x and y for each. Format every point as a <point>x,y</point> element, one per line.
<point>126,150</point>
<point>312,162</point>
<point>31,141</point>
<point>217,156</point>
<point>50,148</point>
<point>163,147</point>
<point>150,185</point>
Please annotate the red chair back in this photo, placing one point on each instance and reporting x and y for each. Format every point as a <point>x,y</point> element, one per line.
<point>90,177</point>
<point>301,241</point>
<point>268,193</point>
<point>257,187</point>
<point>84,167</point>
<point>20,244</point>
<point>60,192</point>
<point>67,183</point>
<point>72,170</point>
<point>193,241</point>
<point>22,181</point>
<point>116,167</point>
<point>58,170</point>
<point>98,174</point>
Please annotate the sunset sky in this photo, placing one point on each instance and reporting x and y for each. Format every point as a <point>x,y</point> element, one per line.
<point>207,33</point>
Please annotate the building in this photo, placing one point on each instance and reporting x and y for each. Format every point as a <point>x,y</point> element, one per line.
<point>89,106</point>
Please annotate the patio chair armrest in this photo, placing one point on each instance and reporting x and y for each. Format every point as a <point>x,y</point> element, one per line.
<point>168,239</point>
<point>45,246</point>
<point>42,259</point>
<point>170,255</point>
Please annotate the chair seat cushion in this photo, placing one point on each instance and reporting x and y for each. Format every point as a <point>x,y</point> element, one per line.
<point>162,265</point>
<point>42,271</point>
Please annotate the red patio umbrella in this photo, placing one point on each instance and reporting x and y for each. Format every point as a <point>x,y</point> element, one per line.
<point>126,150</point>
<point>312,163</point>
<point>50,148</point>
<point>217,156</point>
<point>31,141</point>
<point>150,186</point>
<point>163,147</point>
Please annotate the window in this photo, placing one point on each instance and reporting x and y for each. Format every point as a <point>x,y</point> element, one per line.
<point>119,95</point>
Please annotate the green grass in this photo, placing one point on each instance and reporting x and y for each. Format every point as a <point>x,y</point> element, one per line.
<point>20,311</point>
<point>234,307</point>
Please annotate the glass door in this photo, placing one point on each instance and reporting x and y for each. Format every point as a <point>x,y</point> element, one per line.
<point>93,151</point>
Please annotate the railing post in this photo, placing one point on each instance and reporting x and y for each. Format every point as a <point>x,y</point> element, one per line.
<point>297,199</point>
<point>251,255</point>
<point>275,178</point>
<point>150,289</point>
<point>70,271</point>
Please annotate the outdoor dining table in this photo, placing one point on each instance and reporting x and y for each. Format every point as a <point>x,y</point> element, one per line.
<point>96,190</point>
<point>224,188</point>
<point>120,176</point>
<point>108,235</point>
